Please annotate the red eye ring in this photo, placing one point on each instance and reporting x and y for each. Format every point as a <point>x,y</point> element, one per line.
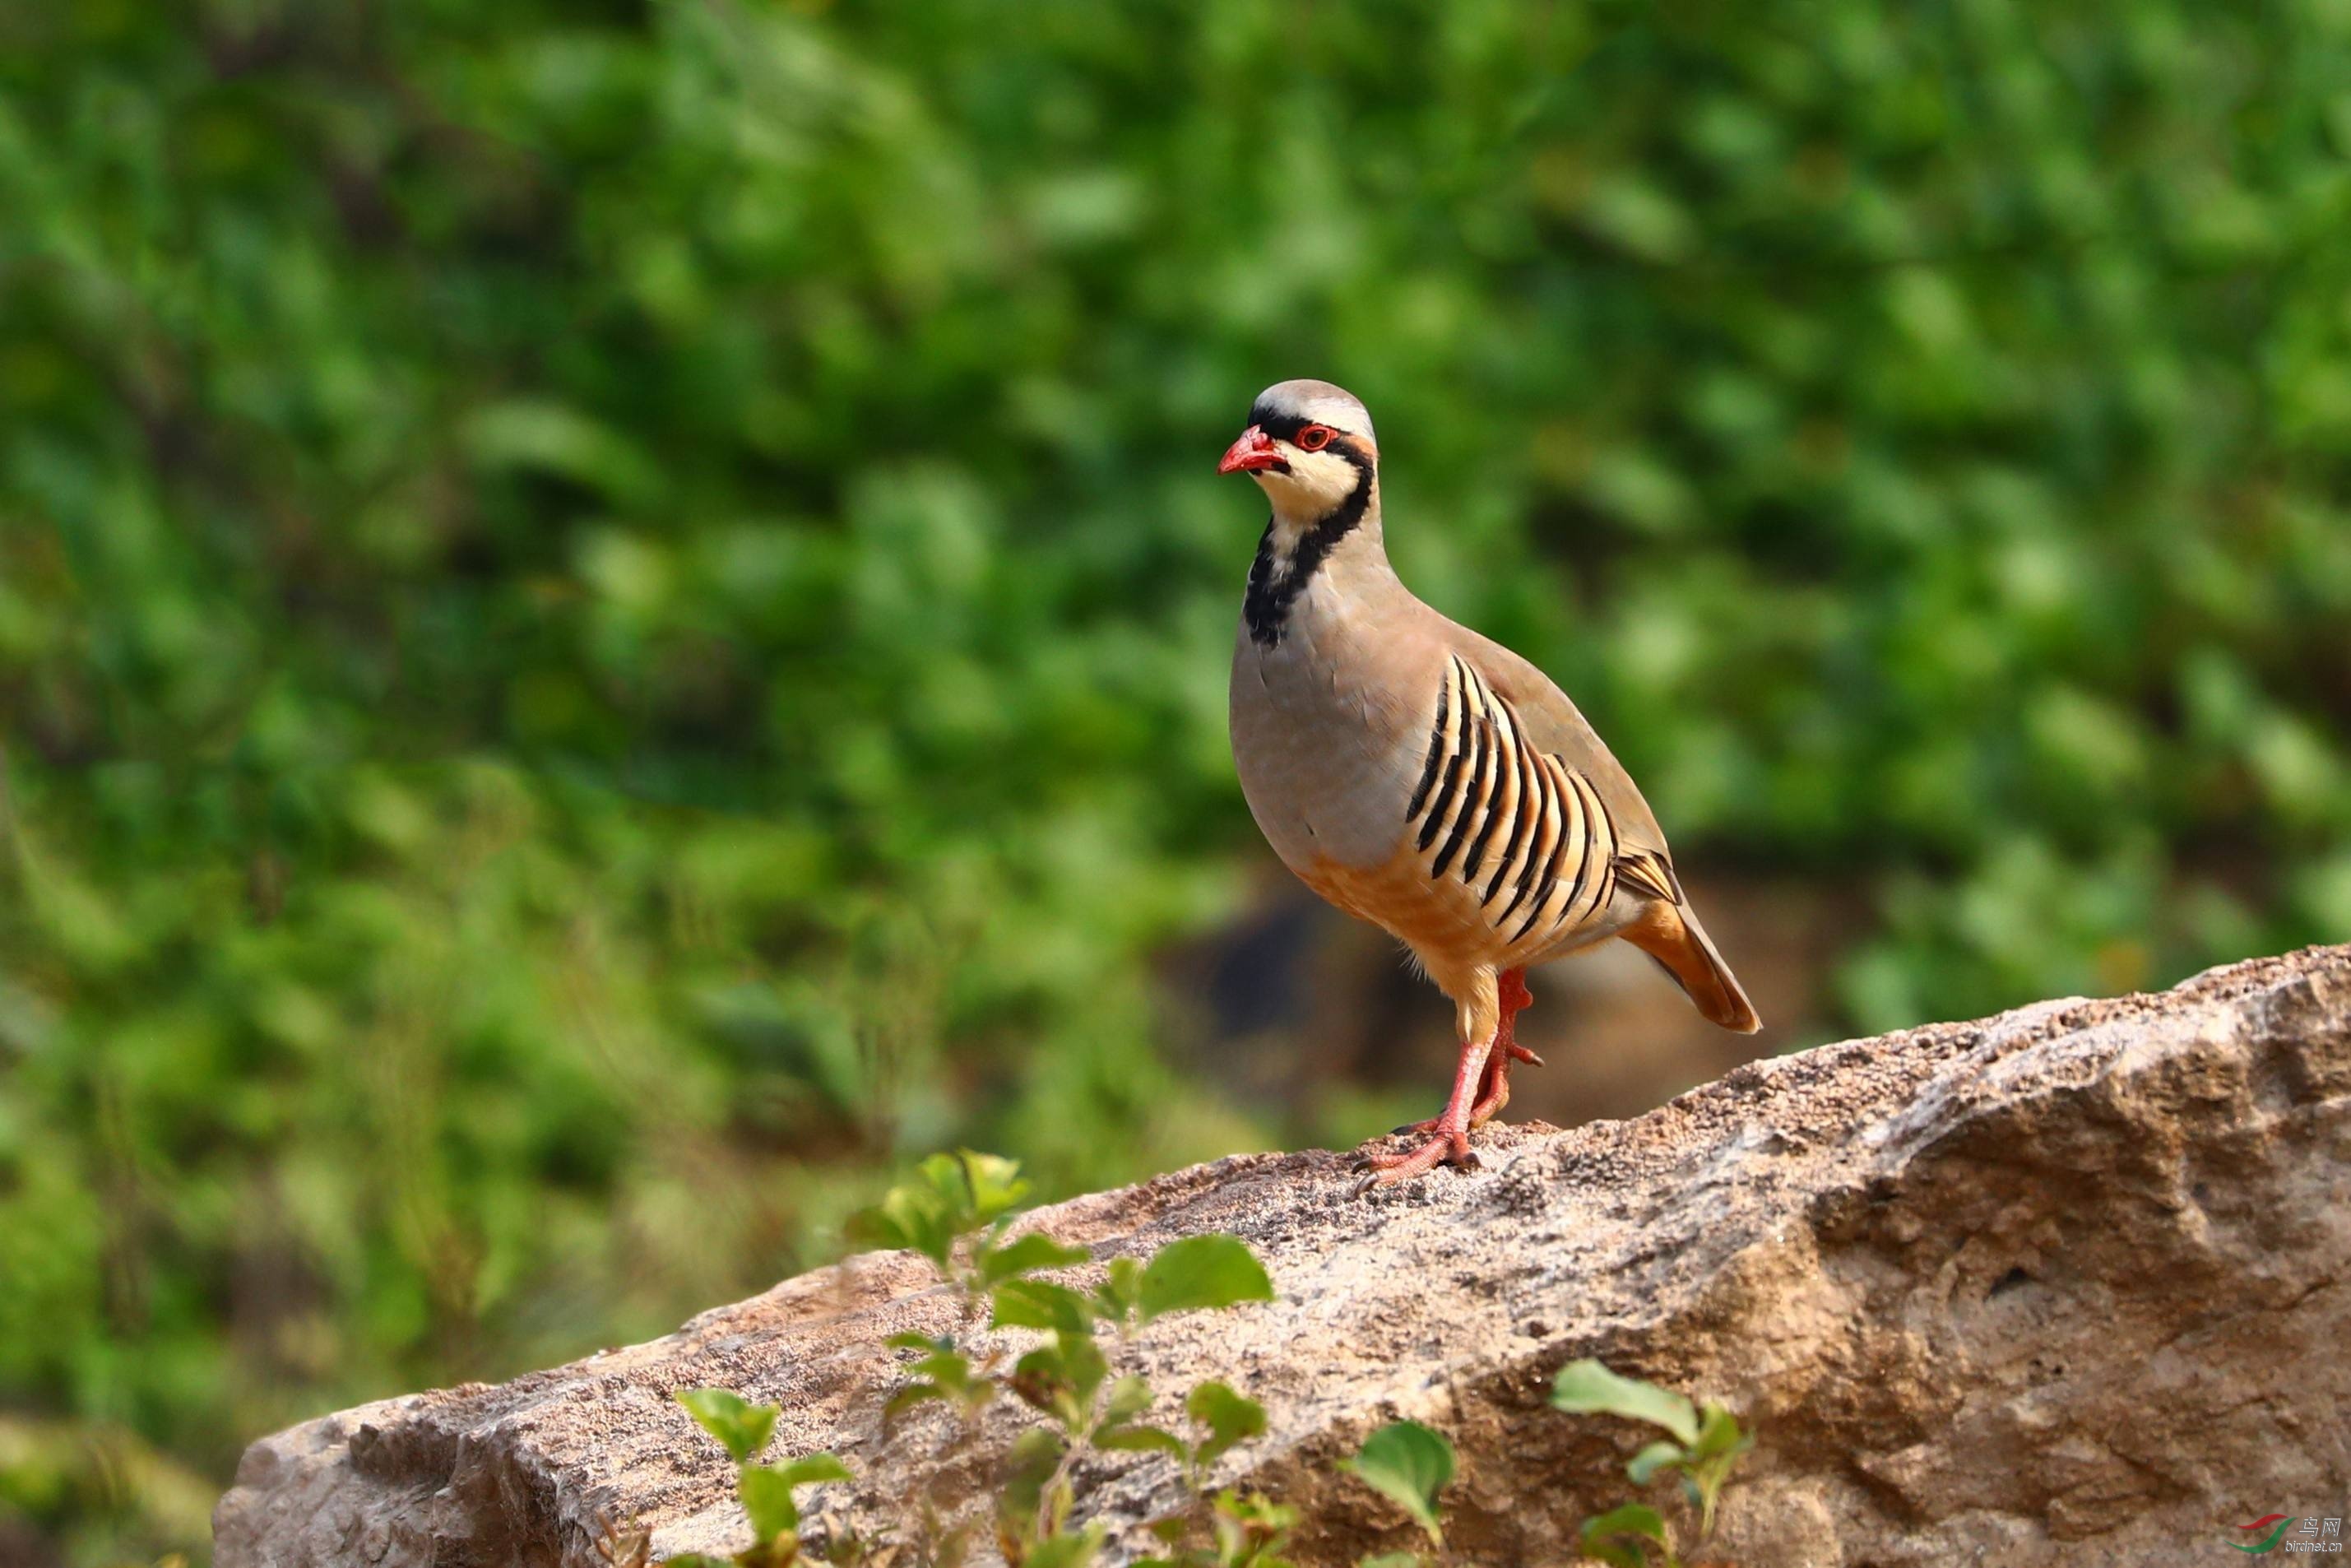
<point>1314,438</point>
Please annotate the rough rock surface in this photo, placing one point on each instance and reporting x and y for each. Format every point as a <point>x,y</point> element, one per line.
<point>2070,1284</point>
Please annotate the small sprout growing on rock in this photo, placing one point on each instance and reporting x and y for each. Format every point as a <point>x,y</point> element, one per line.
<point>1704,1444</point>
<point>741,1427</point>
<point>1620,1536</point>
<point>952,1197</point>
<point>956,1211</point>
<point>766,1491</point>
<point>1409,1464</point>
<point>1249,1532</point>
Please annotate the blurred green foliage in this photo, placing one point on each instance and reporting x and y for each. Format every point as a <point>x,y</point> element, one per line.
<point>613,617</point>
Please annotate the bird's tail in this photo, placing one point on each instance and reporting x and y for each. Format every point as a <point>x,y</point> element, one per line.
<point>1671,935</point>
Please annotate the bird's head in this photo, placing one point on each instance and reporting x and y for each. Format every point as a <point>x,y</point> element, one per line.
<point>1309,446</point>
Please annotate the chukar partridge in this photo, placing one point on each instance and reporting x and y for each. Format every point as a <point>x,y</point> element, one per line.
<point>1428,779</point>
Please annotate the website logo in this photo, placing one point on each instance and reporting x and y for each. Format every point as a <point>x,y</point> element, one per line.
<point>2271,1532</point>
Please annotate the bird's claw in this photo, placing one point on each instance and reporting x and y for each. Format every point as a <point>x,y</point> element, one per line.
<point>1380,1170</point>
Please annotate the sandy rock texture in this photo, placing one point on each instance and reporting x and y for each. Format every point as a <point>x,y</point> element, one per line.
<point>2071,1284</point>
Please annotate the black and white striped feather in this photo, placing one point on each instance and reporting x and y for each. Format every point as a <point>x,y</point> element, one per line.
<point>1526,835</point>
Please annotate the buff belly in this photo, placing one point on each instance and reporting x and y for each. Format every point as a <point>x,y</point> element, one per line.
<point>1442,921</point>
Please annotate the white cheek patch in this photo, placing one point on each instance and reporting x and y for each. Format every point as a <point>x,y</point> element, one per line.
<point>1314,487</point>
<point>1317,481</point>
<point>1325,473</point>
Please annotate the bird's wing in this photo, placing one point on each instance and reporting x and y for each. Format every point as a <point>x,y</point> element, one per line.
<point>1667,929</point>
<point>1554,725</point>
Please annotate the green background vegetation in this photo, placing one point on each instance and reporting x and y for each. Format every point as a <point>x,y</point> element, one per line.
<point>613,617</point>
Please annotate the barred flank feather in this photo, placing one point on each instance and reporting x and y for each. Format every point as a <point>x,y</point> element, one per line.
<point>1524,831</point>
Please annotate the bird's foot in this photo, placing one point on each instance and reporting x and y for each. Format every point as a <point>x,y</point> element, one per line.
<point>1448,1146</point>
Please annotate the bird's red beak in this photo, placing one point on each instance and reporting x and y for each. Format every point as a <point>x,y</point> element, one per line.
<point>1253,451</point>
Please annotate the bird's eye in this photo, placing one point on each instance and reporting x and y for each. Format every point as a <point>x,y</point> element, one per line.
<point>1314,437</point>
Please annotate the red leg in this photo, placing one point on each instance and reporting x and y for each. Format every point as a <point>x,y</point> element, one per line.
<point>1494,1087</point>
<point>1515,998</point>
<point>1451,1141</point>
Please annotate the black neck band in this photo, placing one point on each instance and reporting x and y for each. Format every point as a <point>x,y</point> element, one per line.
<point>1267,608</point>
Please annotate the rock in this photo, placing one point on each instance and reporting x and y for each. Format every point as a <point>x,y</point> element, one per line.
<point>2071,1284</point>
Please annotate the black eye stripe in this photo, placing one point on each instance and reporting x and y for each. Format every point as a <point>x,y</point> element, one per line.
<point>1287,426</point>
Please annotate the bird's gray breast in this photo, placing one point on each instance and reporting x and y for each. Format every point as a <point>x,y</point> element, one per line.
<point>1318,739</point>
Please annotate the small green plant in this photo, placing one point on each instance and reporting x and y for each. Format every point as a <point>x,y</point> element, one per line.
<point>1405,1461</point>
<point>1410,1463</point>
<point>1705,1443</point>
<point>766,1491</point>
<point>958,1212</point>
<point>1245,1531</point>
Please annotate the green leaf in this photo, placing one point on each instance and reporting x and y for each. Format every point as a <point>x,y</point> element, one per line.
<point>1718,1434</point>
<point>911,1340</point>
<point>947,1196</point>
<point>1035,1455</point>
<point>943,1374</point>
<point>1029,1252</point>
<point>766,1497</point>
<point>1633,1519</point>
<point>1617,1553</point>
<point>741,1427</point>
<point>1658,1455</point>
<point>811,1468</point>
<point>1129,1397</point>
<point>1230,1417</point>
<point>1410,1463</point>
<point>1082,1364</point>
<point>906,1398</point>
<point>1065,1551</point>
<point>1141,1440</point>
<point>1586,1388</point>
<point>947,1368</point>
<point>993,1184</point>
<point>907,1217</point>
<point>1392,1560</point>
<point>1042,1304</point>
<point>1720,1443</point>
<point>1060,1379</point>
<point>766,1491</point>
<point>1256,1512</point>
<point>1122,1282</point>
<point>1200,1272</point>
